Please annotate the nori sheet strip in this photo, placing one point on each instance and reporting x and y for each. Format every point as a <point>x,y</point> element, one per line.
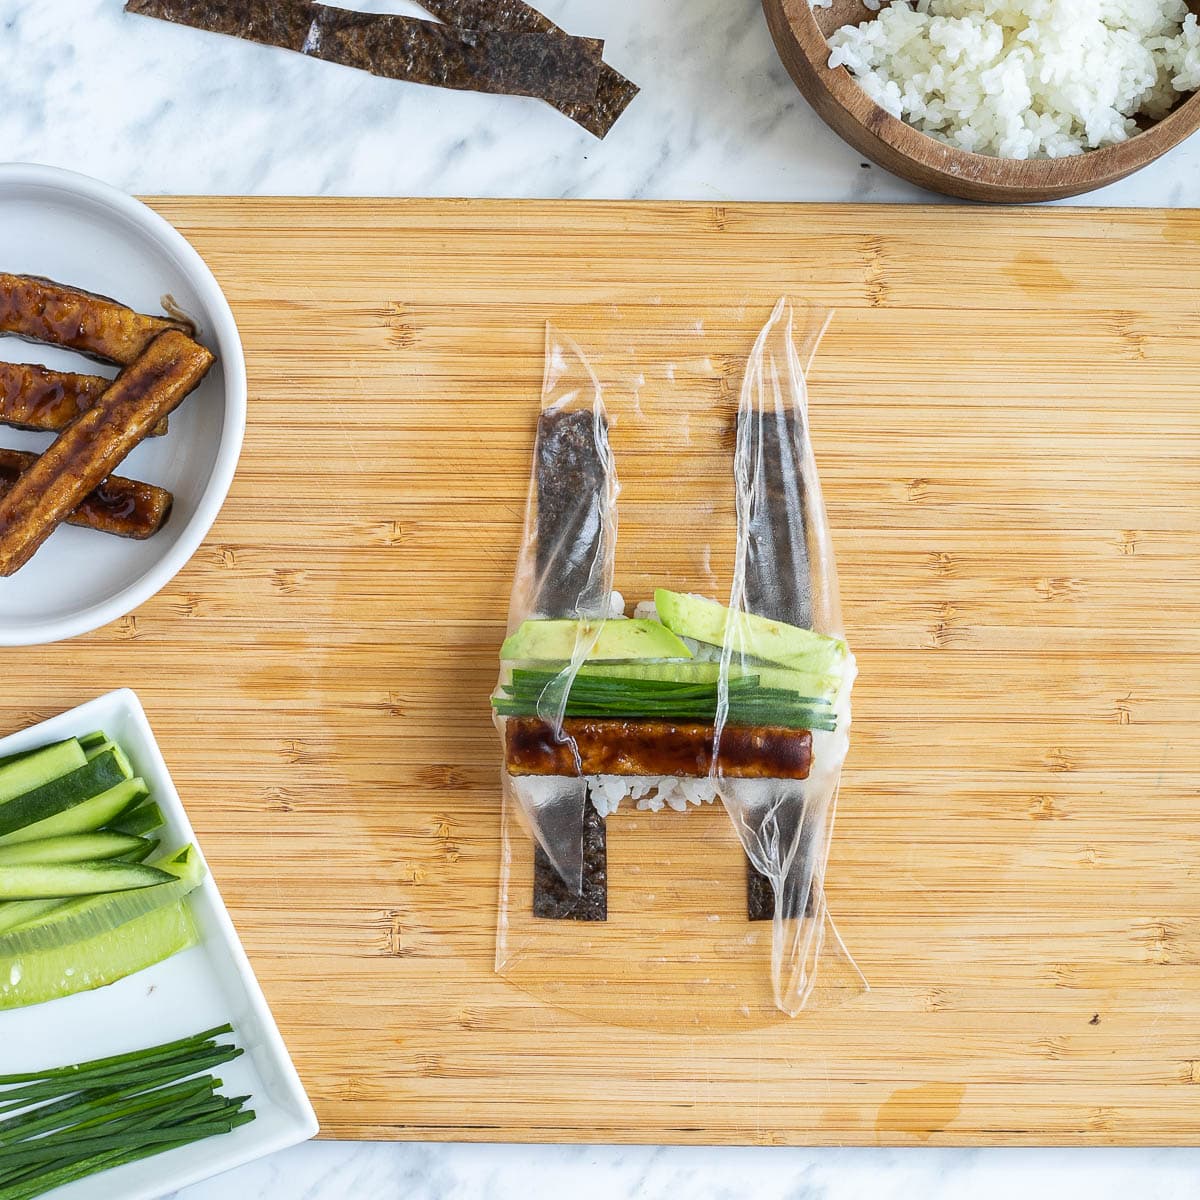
<point>283,23</point>
<point>778,574</point>
<point>552,900</point>
<point>570,478</point>
<point>570,474</point>
<point>614,92</point>
<point>548,65</point>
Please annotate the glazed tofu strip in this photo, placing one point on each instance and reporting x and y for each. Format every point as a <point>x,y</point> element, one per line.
<point>37,398</point>
<point>122,507</point>
<point>88,450</point>
<point>41,310</point>
<point>617,747</point>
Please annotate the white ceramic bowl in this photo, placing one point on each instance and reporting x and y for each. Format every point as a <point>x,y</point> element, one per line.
<point>82,232</point>
<point>206,986</point>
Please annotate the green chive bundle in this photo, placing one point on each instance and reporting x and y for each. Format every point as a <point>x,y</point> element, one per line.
<point>66,1123</point>
<point>532,693</point>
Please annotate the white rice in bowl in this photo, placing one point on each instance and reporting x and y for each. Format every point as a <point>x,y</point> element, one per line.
<point>1024,78</point>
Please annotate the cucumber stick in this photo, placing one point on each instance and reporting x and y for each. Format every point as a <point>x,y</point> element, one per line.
<point>85,918</point>
<point>142,851</point>
<point>77,848</point>
<point>14,913</point>
<point>33,770</point>
<point>111,748</point>
<point>56,880</point>
<point>139,821</point>
<point>693,671</point>
<point>61,794</point>
<point>82,818</point>
<point>32,976</point>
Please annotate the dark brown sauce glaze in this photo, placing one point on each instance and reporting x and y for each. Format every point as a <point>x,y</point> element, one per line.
<point>613,747</point>
<point>83,456</point>
<point>122,507</point>
<point>41,310</point>
<point>36,398</point>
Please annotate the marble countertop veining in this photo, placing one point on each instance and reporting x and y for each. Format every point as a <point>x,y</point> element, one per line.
<point>154,108</point>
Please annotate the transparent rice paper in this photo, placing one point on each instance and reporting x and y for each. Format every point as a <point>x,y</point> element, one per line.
<point>677,950</point>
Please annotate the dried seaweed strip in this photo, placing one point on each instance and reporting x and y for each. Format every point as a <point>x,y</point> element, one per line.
<point>778,569</point>
<point>778,563</point>
<point>552,899</point>
<point>571,481</point>
<point>282,23</point>
<point>614,93</point>
<point>546,64</point>
<point>549,66</point>
<point>570,463</point>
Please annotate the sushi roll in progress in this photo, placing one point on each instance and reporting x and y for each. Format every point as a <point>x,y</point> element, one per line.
<point>692,699</point>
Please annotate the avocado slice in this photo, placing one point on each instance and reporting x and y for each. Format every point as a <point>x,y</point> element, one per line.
<point>787,645</point>
<point>537,641</point>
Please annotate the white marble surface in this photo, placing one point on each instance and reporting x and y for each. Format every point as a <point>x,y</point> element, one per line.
<point>157,108</point>
<point>154,108</point>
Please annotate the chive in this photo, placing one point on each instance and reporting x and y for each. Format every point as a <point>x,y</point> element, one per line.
<point>146,1076</point>
<point>117,1059</point>
<point>67,1123</point>
<point>541,693</point>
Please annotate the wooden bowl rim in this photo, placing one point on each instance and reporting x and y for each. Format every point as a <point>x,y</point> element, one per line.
<point>1107,164</point>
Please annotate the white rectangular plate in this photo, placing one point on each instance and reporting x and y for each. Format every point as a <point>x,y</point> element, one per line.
<point>206,986</point>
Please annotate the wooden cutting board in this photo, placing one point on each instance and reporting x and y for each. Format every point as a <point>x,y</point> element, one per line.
<point>1006,416</point>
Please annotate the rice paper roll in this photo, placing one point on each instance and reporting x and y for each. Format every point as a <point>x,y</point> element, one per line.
<point>712,722</point>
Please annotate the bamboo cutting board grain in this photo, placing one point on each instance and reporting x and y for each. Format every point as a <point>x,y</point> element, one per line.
<point>1006,416</point>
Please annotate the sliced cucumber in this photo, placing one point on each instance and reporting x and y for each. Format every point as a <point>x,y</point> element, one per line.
<point>57,880</point>
<point>86,918</point>
<point>114,749</point>
<point>707,672</point>
<point>60,794</point>
<point>32,975</point>
<point>14,913</point>
<point>90,741</point>
<point>85,817</point>
<point>139,821</point>
<point>34,770</point>
<point>76,848</point>
<point>143,850</point>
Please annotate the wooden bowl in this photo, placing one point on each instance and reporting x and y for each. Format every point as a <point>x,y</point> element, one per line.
<point>800,33</point>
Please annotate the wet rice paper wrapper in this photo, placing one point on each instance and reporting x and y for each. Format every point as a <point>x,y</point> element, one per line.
<point>565,570</point>
<point>749,528</point>
<point>548,64</point>
<point>614,93</point>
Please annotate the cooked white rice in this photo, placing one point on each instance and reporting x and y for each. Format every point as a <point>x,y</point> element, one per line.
<point>651,793</point>
<point>1024,78</point>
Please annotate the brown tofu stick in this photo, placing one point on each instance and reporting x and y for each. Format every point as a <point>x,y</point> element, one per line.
<point>608,746</point>
<point>122,507</point>
<point>88,450</point>
<point>40,310</point>
<point>37,398</point>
